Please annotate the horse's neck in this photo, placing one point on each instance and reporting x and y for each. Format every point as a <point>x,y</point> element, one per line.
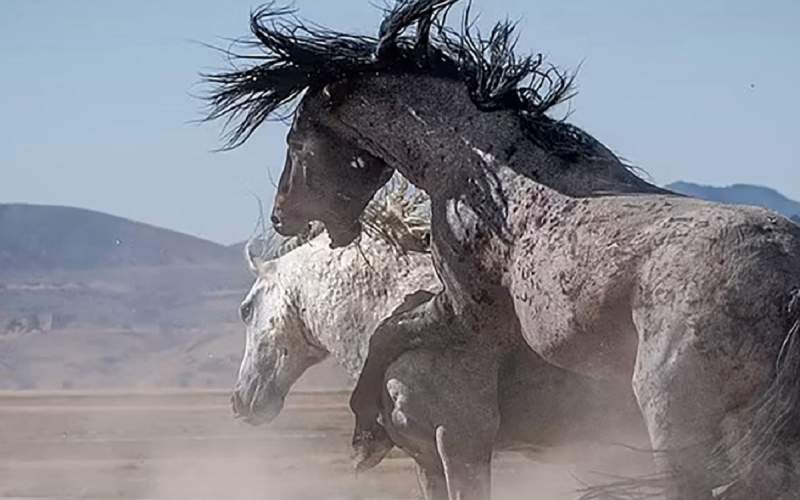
<point>342,299</point>
<point>436,133</point>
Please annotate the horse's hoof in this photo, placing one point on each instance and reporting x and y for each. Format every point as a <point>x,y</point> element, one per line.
<point>370,447</point>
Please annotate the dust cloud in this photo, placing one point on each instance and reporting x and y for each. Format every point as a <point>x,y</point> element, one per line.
<point>186,446</point>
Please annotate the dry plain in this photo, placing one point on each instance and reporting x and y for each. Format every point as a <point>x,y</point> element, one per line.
<point>185,445</point>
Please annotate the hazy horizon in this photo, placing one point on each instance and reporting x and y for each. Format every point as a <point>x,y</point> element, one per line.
<point>100,97</point>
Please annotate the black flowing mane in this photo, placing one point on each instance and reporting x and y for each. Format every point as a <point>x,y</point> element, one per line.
<point>292,56</point>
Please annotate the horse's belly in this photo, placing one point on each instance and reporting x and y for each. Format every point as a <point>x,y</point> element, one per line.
<point>543,405</point>
<point>600,343</point>
<point>573,305</point>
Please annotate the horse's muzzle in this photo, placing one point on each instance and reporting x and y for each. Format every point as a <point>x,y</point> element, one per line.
<point>254,408</point>
<point>285,226</point>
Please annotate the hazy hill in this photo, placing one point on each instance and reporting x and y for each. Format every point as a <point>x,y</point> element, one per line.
<point>741,194</point>
<point>89,300</point>
<point>38,237</point>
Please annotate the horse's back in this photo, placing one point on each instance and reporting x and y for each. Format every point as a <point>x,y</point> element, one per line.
<point>711,299</point>
<point>576,276</point>
<point>721,262</point>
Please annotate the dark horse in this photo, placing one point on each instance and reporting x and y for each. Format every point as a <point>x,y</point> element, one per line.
<point>541,233</point>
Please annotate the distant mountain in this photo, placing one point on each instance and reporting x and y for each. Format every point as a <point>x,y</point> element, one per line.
<point>89,300</point>
<point>741,194</point>
<point>38,237</point>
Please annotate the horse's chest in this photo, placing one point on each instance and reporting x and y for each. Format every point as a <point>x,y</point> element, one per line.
<point>469,258</point>
<point>468,239</point>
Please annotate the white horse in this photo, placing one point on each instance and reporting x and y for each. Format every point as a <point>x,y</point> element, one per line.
<point>314,302</point>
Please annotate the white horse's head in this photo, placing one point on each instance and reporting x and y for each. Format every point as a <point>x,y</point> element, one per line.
<point>278,348</point>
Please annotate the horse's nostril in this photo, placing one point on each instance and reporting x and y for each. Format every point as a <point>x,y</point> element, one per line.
<point>275,219</point>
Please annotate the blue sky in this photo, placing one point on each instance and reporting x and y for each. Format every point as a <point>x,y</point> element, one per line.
<point>96,97</point>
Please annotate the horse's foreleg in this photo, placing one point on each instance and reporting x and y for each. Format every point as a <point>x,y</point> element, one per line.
<point>467,467</point>
<point>442,409</point>
<point>431,481</point>
<point>426,326</point>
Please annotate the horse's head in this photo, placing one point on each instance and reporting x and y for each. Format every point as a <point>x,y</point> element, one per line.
<point>355,94</point>
<point>326,177</point>
<point>277,348</point>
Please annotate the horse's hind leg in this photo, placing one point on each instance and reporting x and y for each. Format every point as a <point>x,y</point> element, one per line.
<point>682,397</point>
<point>682,472</point>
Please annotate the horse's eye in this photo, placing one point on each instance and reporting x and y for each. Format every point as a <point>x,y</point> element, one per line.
<point>246,311</point>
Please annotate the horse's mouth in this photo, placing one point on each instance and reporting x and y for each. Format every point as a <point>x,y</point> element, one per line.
<point>259,415</point>
<point>257,407</point>
<point>256,419</point>
<point>286,228</point>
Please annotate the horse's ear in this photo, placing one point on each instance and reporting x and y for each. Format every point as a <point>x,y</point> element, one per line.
<point>335,92</point>
<point>256,254</point>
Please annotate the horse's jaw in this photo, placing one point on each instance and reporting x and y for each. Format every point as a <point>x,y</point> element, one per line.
<point>290,228</point>
<point>342,235</point>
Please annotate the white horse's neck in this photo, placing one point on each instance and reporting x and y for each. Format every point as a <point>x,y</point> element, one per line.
<point>342,295</point>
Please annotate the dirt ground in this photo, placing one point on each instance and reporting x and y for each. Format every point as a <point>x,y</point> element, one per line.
<point>185,445</point>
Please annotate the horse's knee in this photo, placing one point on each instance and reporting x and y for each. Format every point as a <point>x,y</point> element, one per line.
<point>405,414</point>
<point>399,414</point>
<point>426,389</point>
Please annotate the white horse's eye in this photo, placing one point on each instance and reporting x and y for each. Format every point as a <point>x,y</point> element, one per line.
<point>246,312</point>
